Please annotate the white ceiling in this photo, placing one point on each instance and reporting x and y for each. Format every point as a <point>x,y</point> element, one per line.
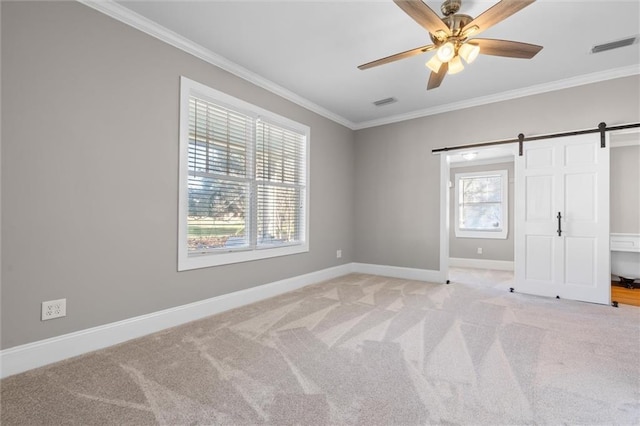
<point>310,50</point>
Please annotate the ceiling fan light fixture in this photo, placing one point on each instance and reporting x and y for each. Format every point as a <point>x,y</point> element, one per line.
<point>469,155</point>
<point>450,36</point>
<point>446,52</point>
<point>469,52</point>
<point>434,64</point>
<point>455,65</point>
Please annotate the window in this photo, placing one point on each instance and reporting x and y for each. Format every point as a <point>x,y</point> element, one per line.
<point>481,209</point>
<point>243,181</point>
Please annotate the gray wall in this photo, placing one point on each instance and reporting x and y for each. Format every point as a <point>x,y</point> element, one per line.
<point>492,249</point>
<point>90,174</point>
<point>398,178</point>
<point>625,189</point>
<point>90,171</point>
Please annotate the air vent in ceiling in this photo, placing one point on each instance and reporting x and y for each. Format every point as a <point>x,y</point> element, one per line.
<point>614,44</point>
<point>386,101</point>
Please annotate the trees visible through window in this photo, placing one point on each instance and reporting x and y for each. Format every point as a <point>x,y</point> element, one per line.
<point>245,177</point>
<point>481,204</point>
<point>219,179</point>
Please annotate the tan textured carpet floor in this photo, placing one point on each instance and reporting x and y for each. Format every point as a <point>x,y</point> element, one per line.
<point>359,349</point>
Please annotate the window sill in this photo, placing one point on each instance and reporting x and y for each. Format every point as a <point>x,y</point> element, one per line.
<point>489,235</point>
<point>187,261</point>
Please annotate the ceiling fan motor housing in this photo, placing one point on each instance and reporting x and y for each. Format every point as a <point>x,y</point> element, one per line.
<point>449,7</point>
<point>456,23</point>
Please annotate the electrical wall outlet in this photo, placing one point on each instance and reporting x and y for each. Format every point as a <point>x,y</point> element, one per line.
<point>338,254</point>
<point>479,250</point>
<point>54,309</point>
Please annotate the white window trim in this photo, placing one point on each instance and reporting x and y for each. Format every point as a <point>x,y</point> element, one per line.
<point>186,260</point>
<point>502,234</point>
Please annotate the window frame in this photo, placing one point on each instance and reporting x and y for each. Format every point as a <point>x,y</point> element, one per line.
<point>483,233</point>
<point>188,260</point>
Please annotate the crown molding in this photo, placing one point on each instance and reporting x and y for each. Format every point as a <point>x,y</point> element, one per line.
<point>505,96</point>
<point>139,22</point>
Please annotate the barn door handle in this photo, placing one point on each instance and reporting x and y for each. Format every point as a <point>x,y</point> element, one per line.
<point>559,225</point>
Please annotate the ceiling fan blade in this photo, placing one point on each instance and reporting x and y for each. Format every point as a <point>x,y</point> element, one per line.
<point>435,79</point>
<point>423,15</point>
<point>495,14</point>
<point>510,49</point>
<point>397,56</point>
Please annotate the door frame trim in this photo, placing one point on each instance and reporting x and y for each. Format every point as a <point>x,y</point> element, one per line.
<point>511,149</point>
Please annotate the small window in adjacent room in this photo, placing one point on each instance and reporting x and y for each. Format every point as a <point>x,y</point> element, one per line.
<point>481,204</point>
<point>243,181</point>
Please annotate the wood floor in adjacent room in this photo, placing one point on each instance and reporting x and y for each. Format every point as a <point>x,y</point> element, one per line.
<point>626,296</point>
<point>503,280</point>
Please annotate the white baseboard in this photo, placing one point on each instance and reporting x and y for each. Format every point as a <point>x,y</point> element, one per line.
<point>501,265</point>
<point>37,354</point>
<point>398,272</point>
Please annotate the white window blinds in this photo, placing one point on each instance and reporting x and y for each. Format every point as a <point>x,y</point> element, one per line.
<point>219,177</point>
<point>244,189</point>
<point>280,184</point>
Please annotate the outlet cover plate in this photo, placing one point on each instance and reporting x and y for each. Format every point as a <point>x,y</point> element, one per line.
<point>54,309</point>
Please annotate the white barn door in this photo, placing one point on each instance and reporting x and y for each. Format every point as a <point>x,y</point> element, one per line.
<point>567,256</point>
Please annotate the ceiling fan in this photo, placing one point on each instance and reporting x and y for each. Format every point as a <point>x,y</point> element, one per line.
<point>451,36</point>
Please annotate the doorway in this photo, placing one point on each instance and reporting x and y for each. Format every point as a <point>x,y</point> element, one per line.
<point>460,161</point>
<point>565,174</point>
<point>625,216</point>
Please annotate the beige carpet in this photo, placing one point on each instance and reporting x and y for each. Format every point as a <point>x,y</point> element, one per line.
<point>359,349</point>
